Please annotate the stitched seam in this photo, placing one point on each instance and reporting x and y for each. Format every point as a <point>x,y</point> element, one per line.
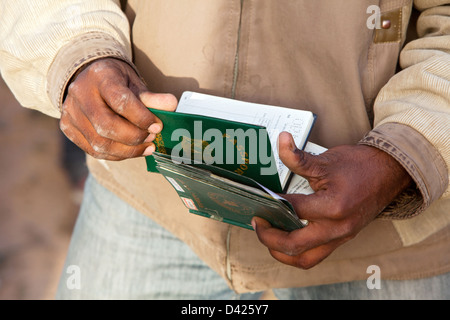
<point>387,147</point>
<point>57,99</point>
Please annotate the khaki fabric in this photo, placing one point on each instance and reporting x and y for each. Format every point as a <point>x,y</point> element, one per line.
<point>315,55</point>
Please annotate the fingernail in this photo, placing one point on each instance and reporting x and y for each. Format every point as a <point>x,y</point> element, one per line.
<point>155,128</point>
<point>149,150</point>
<point>292,145</point>
<point>150,138</point>
<point>254,224</point>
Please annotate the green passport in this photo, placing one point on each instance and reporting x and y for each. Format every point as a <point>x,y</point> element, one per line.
<point>219,156</point>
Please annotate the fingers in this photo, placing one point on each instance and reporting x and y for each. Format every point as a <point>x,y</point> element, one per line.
<point>313,207</point>
<point>350,186</point>
<point>105,121</point>
<point>124,103</point>
<point>161,101</point>
<point>78,139</point>
<point>132,104</point>
<point>303,248</point>
<point>105,112</point>
<point>296,160</point>
<point>307,259</point>
<point>122,90</point>
<point>80,130</point>
<point>294,242</point>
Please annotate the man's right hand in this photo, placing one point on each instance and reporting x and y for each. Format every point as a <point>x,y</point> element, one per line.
<point>105,112</point>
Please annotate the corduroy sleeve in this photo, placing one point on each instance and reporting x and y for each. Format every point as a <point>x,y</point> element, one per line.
<point>412,112</point>
<point>43,43</point>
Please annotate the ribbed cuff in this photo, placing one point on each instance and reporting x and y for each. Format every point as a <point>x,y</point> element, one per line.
<point>76,54</point>
<point>420,159</point>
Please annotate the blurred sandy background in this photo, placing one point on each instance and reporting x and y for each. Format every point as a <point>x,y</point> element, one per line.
<point>40,180</point>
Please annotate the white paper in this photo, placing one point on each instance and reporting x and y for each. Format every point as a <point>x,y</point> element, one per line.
<point>276,119</point>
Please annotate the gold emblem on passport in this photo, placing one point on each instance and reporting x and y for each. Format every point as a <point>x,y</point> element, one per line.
<point>232,205</point>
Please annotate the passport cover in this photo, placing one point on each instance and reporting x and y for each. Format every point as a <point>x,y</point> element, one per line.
<point>193,136</point>
<point>231,188</point>
<point>207,194</point>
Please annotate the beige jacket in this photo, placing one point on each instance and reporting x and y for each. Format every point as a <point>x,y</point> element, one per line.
<point>331,57</point>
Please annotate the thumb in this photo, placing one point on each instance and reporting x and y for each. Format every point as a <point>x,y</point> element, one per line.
<point>161,101</point>
<point>296,160</point>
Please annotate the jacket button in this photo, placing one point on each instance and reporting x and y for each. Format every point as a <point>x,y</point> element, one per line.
<point>386,24</point>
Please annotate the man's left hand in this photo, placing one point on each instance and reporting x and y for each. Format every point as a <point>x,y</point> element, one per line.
<point>352,184</point>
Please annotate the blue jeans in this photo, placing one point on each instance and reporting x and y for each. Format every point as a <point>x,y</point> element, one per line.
<point>118,253</point>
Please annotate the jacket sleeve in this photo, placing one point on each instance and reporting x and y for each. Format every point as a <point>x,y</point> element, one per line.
<point>412,112</point>
<point>43,43</point>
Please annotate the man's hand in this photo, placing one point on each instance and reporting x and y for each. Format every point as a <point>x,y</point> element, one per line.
<point>105,112</point>
<point>352,185</point>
